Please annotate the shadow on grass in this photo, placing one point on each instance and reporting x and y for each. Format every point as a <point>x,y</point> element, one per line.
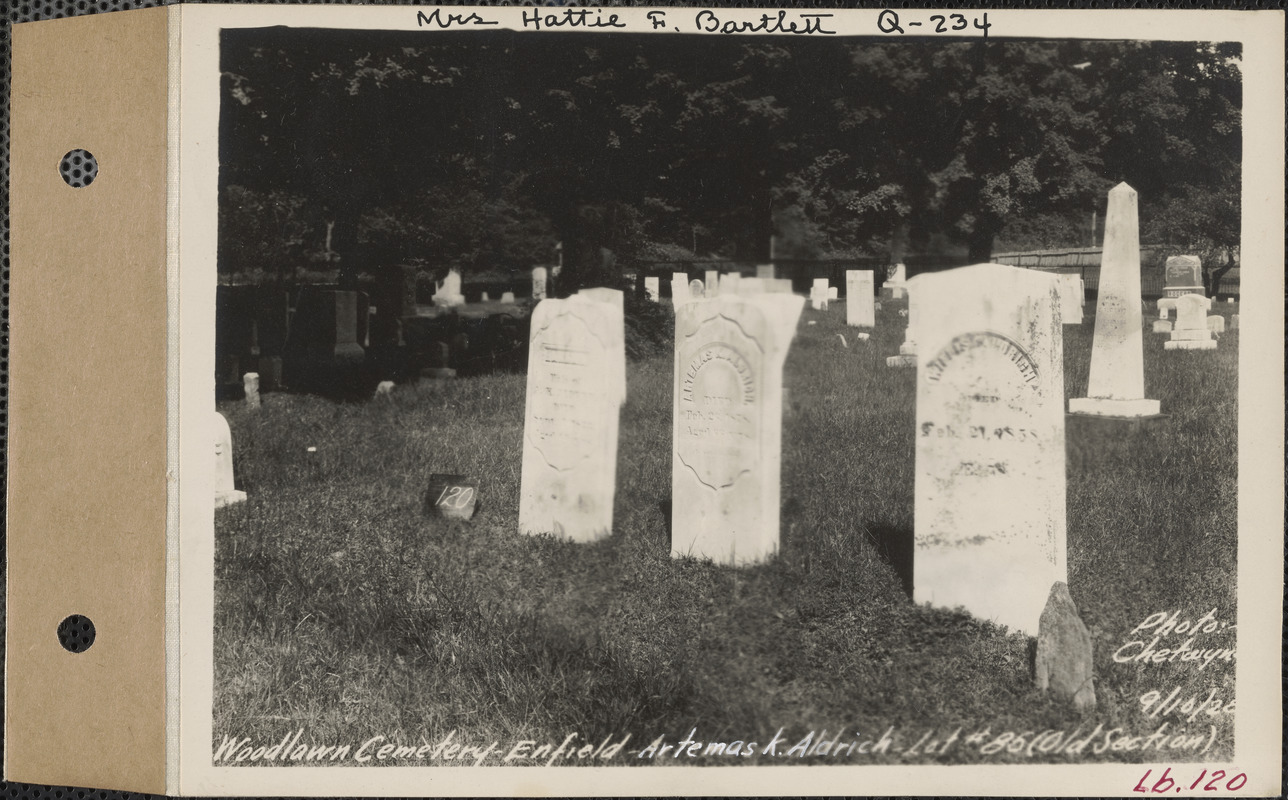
<point>895,546</point>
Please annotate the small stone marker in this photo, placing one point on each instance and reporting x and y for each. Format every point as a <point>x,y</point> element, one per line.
<point>575,390</point>
<point>697,290</point>
<point>1191,329</point>
<point>539,278</point>
<point>1071,298</point>
<point>833,293</point>
<point>1229,301</point>
<point>452,496</point>
<point>727,425</point>
<point>765,271</point>
<point>908,350</point>
<point>651,289</point>
<point>1182,275</point>
<point>990,453</point>
<point>1216,323</point>
<point>843,342</point>
<point>863,337</point>
<point>225,492</point>
<point>484,298</point>
<point>1234,322</point>
<point>250,382</point>
<point>384,388</point>
<point>859,309</point>
<point>1064,655</point>
<point>1116,385</point>
<point>818,295</point>
<point>1162,326</point>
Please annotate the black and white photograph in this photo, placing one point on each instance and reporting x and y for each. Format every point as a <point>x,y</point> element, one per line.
<point>729,388</point>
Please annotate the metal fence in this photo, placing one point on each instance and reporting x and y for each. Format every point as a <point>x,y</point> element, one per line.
<point>1085,261</point>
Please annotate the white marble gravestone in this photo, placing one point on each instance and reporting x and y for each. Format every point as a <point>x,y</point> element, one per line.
<point>990,458</point>
<point>833,293</point>
<point>751,286</point>
<point>711,280</point>
<point>1162,326</point>
<point>225,492</point>
<point>1216,323</point>
<point>859,309</point>
<point>652,289</point>
<point>575,389</point>
<point>729,283</point>
<point>697,290</point>
<point>679,288</point>
<point>1191,329</point>
<point>818,294</point>
<point>507,297</point>
<point>908,350</point>
<point>1182,275</point>
<point>1071,298</point>
<point>1116,385</point>
<point>448,293</point>
<point>539,278</point>
<point>778,285</point>
<point>727,425</point>
<point>250,384</point>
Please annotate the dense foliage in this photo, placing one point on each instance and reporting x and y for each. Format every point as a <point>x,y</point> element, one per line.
<point>486,150</point>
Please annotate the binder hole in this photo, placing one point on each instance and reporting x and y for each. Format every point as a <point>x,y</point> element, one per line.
<point>76,633</point>
<point>79,168</point>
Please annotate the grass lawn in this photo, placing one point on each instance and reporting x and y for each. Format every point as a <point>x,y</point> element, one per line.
<point>342,609</point>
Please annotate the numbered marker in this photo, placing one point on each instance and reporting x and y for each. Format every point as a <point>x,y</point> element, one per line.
<point>452,496</point>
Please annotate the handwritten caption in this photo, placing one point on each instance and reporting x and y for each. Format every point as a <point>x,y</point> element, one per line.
<point>724,21</point>
<point>842,745</point>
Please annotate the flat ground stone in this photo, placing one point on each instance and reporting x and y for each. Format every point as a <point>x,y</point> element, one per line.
<point>727,425</point>
<point>989,508</point>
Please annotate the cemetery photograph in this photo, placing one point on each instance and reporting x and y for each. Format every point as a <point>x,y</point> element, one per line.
<point>618,399</point>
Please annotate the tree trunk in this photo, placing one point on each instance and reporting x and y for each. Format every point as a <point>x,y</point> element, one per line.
<point>980,243</point>
<point>583,235</point>
<point>899,241</point>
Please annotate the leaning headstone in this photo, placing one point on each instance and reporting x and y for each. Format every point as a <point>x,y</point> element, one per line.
<point>651,289</point>
<point>908,350</point>
<point>859,310</point>
<point>1216,323</point>
<point>990,456</point>
<point>727,425</point>
<point>250,383</point>
<point>1116,385</point>
<point>574,397</point>
<point>818,295</point>
<point>1182,275</point>
<point>225,493</point>
<point>765,271</point>
<point>895,286</point>
<point>539,278</point>
<point>1191,330</point>
<point>1063,662</point>
<point>449,293</point>
<point>1071,298</point>
<point>1162,326</point>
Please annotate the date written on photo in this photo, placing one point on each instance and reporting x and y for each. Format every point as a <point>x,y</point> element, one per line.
<point>452,496</point>
<point>1217,781</point>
